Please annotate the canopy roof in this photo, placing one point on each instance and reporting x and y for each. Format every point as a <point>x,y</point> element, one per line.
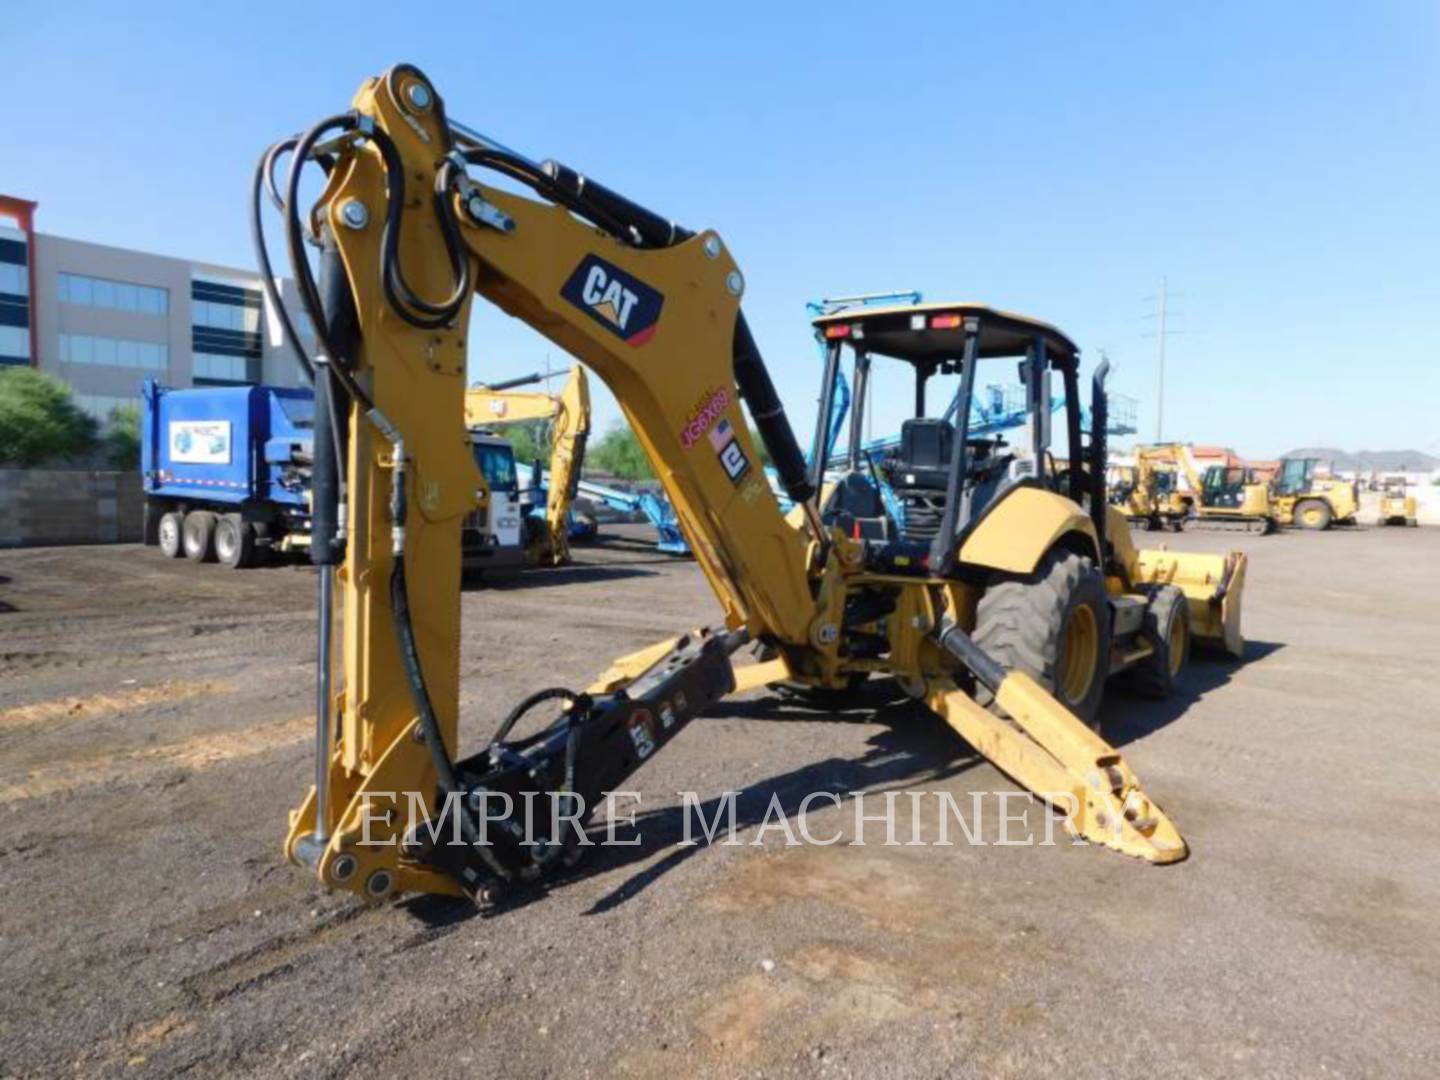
<point>927,334</point>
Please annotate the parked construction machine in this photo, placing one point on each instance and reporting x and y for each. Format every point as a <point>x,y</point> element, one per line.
<point>1398,505</point>
<point>1025,598</point>
<point>1305,502</point>
<point>566,416</point>
<point>1172,491</point>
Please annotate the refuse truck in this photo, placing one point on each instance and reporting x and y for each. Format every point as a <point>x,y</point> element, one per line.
<point>226,475</point>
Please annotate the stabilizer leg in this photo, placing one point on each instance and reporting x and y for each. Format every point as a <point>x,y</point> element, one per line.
<point>1047,749</point>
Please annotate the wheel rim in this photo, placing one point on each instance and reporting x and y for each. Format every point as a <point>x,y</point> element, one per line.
<point>1312,517</point>
<point>223,543</point>
<point>1179,638</point>
<point>169,533</point>
<point>1080,649</point>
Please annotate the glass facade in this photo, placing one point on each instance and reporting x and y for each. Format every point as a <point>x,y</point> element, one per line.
<point>14,297</point>
<point>14,279</point>
<point>114,352</point>
<point>115,295</point>
<point>220,367</point>
<point>225,331</point>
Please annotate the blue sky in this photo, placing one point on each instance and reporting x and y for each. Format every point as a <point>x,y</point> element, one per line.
<point>1278,162</point>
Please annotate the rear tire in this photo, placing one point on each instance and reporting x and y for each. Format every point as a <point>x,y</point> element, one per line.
<point>168,535</point>
<point>234,542</point>
<point>198,536</point>
<point>1167,625</point>
<point>1313,514</point>
<point>1053,625</point>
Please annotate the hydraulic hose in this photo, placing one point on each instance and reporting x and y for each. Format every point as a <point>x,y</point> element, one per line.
<point>264,179</point>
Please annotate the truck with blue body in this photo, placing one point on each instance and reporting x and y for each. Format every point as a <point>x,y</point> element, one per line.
<point>226,475</point>
<point>226,470</point>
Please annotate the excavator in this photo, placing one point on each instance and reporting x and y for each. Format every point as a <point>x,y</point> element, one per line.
<point>547,541</point>
<point>1227,498</point>
<point>1005,623</point>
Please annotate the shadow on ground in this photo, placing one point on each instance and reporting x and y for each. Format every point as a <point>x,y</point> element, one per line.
<point>576,573</point>
<point>914,747</point>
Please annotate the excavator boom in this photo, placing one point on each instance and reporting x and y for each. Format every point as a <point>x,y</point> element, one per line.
<point>567,415</point>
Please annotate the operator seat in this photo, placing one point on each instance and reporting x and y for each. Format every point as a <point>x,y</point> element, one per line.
<point>926,446</point>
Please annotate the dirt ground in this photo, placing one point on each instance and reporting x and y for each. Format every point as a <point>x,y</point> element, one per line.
<point>154,725</point>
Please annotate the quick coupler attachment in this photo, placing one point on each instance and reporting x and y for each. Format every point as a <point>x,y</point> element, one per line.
<point>521,816</point>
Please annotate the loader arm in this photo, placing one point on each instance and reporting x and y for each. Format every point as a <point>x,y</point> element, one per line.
<point>654,311</point>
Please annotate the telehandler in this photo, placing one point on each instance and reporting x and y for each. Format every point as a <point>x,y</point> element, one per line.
<point>1027,596</point>
<point>547,538</point>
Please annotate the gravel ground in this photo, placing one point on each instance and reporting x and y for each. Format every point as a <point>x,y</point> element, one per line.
<point>153,735</point>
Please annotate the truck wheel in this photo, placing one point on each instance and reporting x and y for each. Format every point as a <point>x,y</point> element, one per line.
<point>1054,625</point>
<point>234,542</point>
<point>198,535</point>
<point>1313,514</point>
<point>168,535</point>
<point>1167,625</point>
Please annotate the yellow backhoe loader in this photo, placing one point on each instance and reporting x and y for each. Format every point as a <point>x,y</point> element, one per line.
<point>1218,497</point>
<point>567,417</point>
<point>1304,502</point>
<point>1028,595</point>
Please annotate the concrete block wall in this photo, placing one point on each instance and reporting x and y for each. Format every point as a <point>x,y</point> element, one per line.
<point>60,506</point>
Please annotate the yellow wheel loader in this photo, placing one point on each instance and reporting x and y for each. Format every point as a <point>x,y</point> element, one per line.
<point>1397,505</point>
<point>1303,502</point>
<point>1010,616</point>
<point>567,417</point>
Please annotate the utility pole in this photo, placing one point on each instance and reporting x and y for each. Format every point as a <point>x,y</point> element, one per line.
<point>1160,388</point>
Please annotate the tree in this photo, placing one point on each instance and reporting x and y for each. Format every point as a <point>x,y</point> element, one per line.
<point>122,440</point>
<point>529,442</point>
<point>39,420</point>
<point>619,454</point>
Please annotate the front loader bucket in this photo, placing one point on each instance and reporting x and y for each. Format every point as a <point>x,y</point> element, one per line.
<point>1213,586</point>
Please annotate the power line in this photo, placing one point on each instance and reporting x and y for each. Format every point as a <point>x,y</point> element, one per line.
<point>1162,314</point>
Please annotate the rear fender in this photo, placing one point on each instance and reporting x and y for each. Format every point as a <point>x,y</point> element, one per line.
<point>1017,531</point>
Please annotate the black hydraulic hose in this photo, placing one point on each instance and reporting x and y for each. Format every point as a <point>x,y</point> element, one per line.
<point>300,264</point>
<point>410,306</point>
<point>553,693</point>
<point>415,677</point>
<point>262,255</point>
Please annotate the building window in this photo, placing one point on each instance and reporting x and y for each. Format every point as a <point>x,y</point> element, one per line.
<point>113,352</point>
<point>14,279</point>
<point>116,295</point>
<point>219,316</point>
<point>217,366</point>
<point>14,345</point>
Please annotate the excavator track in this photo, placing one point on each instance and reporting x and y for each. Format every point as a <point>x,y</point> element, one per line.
<point>1252,526</point>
